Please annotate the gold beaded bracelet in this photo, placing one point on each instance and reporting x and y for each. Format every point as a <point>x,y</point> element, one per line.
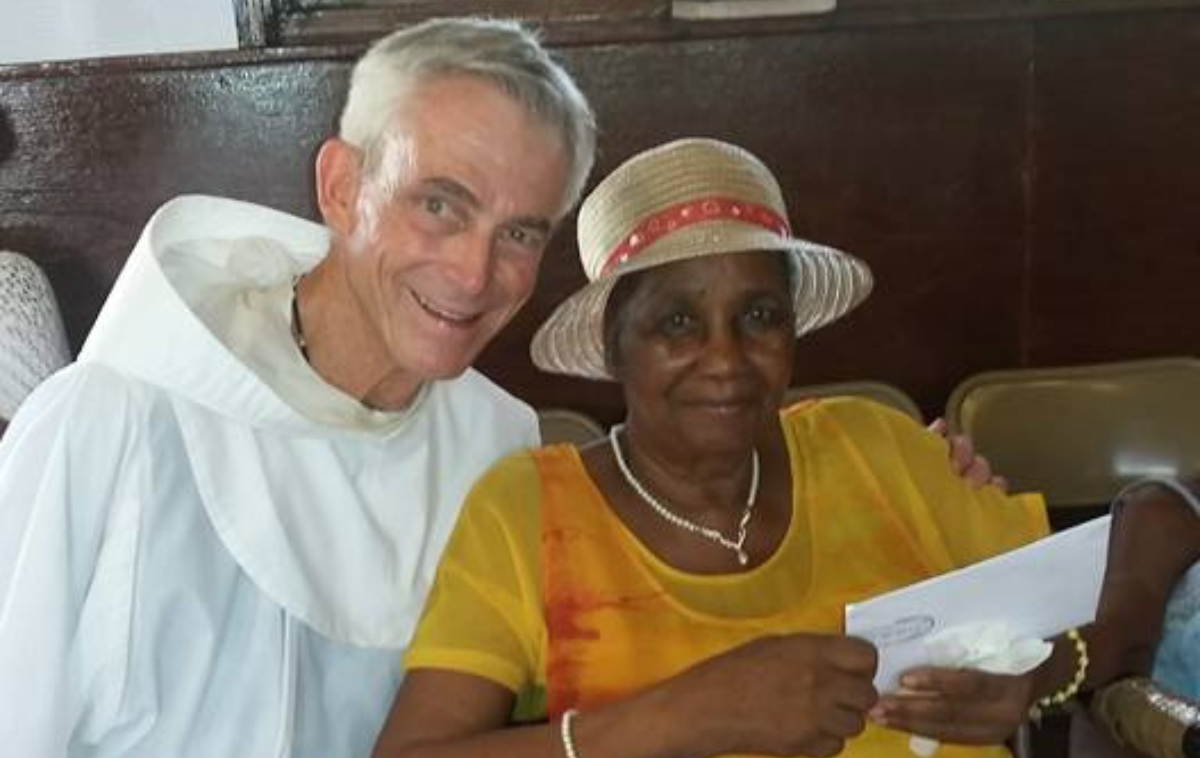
<point>1058,699</point>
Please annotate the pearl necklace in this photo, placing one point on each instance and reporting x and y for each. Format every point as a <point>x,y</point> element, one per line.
<point>671,517</point>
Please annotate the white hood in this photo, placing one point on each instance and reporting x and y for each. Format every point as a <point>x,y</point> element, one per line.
<point>148,327</point>
<point>346,528</point>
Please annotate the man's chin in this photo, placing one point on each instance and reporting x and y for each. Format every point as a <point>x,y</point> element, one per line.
<point>444,375</point>
<point>438,357</point>
<point>443,368</point>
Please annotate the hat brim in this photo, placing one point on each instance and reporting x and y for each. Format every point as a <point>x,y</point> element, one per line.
<point>826,284</point>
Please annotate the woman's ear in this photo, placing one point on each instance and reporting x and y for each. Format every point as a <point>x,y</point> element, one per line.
<point>614,349</point>
<point>615,322</point>
<point>339,183</point>
<point>611,364</point>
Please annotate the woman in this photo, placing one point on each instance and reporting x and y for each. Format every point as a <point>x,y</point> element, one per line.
<point>678,590</point>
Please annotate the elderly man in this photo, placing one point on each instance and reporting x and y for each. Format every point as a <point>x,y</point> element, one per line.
<point>216,529</point>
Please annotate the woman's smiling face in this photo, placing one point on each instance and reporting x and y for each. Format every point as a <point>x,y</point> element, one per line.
<point>703,349</point>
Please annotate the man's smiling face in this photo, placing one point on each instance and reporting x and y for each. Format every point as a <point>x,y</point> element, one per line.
<point>450,236</point>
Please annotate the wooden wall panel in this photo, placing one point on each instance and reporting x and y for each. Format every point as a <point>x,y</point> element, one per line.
<point>1022,188</point>
<point>1116,231</point>
<point>93,149</point>
<point>273,23</point>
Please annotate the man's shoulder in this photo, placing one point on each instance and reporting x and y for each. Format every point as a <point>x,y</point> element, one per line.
<point>476,389</point>
<point>88,384</point>
<point>89,397</point>
<point>475,414</point>
<point>474,380</point>
<point>88,425</point>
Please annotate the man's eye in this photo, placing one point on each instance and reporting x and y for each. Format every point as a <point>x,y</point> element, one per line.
<point>440,215</point>
<point>523,237</point>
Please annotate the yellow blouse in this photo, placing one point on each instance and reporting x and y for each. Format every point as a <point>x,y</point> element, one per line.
<point>543,590</point>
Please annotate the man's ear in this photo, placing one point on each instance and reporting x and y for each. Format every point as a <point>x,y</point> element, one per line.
<point>338,179</point>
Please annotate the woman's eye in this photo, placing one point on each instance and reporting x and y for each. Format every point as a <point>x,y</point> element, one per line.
<point>435,206</point>
<point>761,314</point>
<point>676,323</point>
<point>764,315</point>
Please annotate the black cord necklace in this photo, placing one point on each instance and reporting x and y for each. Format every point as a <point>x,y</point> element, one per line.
<point>297,326</point>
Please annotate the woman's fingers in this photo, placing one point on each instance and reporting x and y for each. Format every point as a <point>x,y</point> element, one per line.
<point>956,705</point>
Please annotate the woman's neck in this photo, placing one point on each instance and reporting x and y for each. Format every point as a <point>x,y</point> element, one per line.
<point>689,483</point>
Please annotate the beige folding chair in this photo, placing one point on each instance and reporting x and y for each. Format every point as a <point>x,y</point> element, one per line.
<point>881,392</point>
<point>1079,433</point>
<point>564,425</point>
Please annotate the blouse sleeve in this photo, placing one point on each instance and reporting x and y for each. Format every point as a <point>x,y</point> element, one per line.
<point>483,615</point>
<point>953,520</point>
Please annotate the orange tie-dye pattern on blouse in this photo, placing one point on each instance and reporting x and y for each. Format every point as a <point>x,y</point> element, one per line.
<point>859,527</point>
<point>544,591</point>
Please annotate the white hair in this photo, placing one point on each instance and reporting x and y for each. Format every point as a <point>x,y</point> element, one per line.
<point>501,52</point>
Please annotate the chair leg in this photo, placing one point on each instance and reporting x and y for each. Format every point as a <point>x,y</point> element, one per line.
<point>1022,743</point>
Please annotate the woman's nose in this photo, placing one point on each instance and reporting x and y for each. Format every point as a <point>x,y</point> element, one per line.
<point>723,350</point>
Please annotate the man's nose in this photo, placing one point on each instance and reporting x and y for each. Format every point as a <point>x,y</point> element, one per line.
<point>469,264</point>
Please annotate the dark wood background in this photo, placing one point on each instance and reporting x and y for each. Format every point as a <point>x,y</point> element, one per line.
<point>1024,186</point>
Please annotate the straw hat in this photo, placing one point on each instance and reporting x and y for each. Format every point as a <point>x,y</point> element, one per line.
<point>33,344</point>
<point>681,200</point>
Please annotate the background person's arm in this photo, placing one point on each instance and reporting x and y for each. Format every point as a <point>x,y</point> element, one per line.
<point>1155,538</point>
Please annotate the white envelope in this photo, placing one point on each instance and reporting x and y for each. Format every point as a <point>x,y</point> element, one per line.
<point>1039,590</point>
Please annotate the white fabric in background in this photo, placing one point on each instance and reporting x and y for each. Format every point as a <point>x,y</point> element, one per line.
<point>48,30</point>
<point>33,344</point>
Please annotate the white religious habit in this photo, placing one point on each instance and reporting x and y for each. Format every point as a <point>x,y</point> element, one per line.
<point>205,550</point>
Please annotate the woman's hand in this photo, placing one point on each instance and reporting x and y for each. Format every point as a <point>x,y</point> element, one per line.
<point>957,705</point>
<point>794,694</point>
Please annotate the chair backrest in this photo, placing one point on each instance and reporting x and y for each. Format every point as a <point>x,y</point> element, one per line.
<point>1079,433</point>
<point>564,425</point>
<point>881,392</point>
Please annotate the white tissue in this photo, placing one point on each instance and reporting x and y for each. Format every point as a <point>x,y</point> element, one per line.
<point>986,646</point>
